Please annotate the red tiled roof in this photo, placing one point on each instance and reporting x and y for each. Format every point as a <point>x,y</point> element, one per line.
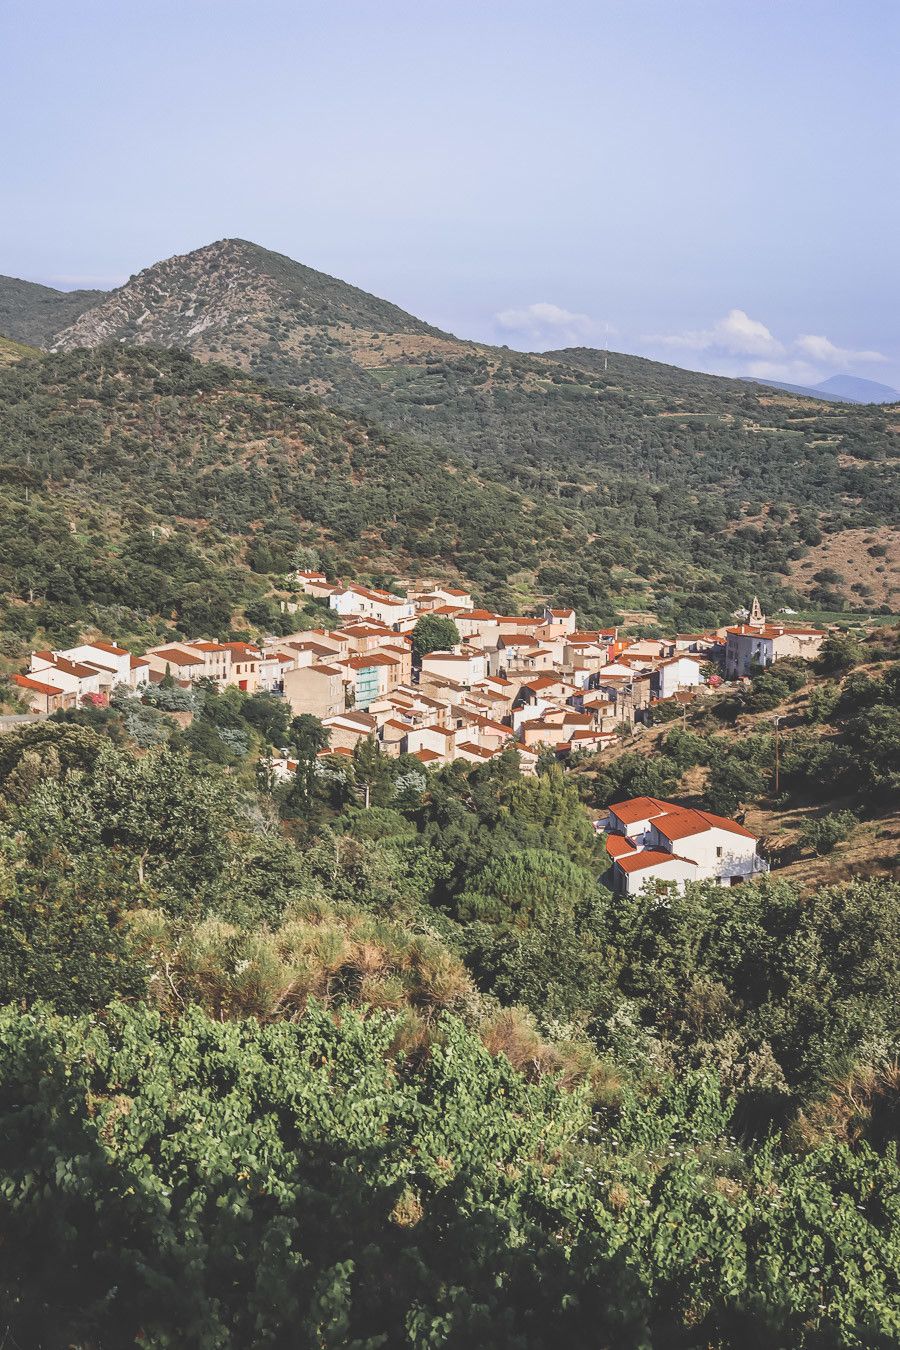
<point>771,630</point>
<point>638,808</point>
<point>617,845</point>
<point>27,682</point>
<point>176,657</point>
<point>62,663</point>
<point>472,749</point>
<point>648,857</point>
<point>108,647</point>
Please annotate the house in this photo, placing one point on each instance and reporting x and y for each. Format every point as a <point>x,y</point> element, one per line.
<point>370,675</point>
<point>245,663</point>
<point>315,584</point>
<point>652,840</point>
<point>179,662</point>
<point>750,645</point>
<point>561,619</point>
<point>71,677</point>
<point>347,729</point>
<point>440,741</point>
<point>42,696</point>
<point>675,673</point>
<point>442,596</point>
<point>462,668</point>
<point>479,624</point>
<point>111,661</point>
<point>365,602</point>
<point>317,689</point>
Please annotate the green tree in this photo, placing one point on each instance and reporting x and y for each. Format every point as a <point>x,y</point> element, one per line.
<point>432,633</point>
<point>839,652</point>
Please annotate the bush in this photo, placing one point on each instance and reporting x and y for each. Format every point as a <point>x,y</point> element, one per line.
<point>824,833</point>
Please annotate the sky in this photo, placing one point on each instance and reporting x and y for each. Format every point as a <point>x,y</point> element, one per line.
<point>710,182</point>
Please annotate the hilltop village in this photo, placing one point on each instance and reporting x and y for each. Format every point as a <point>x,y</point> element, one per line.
<point>536,681</point>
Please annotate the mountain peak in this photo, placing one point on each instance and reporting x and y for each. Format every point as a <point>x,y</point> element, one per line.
<point>235,300</point>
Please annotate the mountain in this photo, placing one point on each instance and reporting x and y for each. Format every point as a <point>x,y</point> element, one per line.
<point>34,314</point>
<point>256,310</point>
<point>568,414</point>
<point>628,485</point>
<point>836,389</point>
<point>857,390</point>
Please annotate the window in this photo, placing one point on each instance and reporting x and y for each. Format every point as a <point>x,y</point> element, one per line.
<point>719,851</point>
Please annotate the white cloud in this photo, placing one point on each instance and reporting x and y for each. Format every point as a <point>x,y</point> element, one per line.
<point>804,360</point>
<point>543,324</point>
<point>822,349</point>
<point>736,335</point>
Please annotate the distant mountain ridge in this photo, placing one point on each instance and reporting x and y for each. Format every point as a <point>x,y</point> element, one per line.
<point>836,389</point>
<point>34,314</point>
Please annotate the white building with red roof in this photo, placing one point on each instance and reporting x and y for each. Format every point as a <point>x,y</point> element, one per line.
<point>758,643</point>
<point>650,840</point>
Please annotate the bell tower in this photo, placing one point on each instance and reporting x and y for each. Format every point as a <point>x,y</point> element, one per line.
<point>757,619</point>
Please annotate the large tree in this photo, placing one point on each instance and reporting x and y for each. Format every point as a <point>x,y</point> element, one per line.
<point>434,633</point>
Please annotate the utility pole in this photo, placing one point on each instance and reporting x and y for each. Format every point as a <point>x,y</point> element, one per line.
<point>777,757</point>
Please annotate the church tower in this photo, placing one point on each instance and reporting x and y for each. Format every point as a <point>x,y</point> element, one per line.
<point>757,619</point>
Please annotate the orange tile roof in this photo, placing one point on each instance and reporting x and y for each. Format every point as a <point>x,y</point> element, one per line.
<point>109,647</point>
<point>617,845</point>
<point>176,657</point>
<point>472,749</point>
<point>638,808</point>
<point>67,667</point>
<point>771,630</point>
<point>648,857</point>
<point>27,682</point>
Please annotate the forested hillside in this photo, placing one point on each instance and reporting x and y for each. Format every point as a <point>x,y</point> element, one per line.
<point>718,477</point>
<point>145,485</point>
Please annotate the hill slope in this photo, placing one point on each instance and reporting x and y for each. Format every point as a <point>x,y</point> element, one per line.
<point>120,464</point>
<point>33,314</point>
<point>560,413</point>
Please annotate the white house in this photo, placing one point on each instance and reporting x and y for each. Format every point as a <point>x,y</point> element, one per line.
<point>364,602</point>
<point>758,643</point>
<point>463,668</point>
<point>71,677</point>
<point>561,619</point>
<point>749,645</point>
<point>675,673</point>
<point>651,840</point>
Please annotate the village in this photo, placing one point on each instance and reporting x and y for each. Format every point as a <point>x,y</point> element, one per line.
<point>535,682</point>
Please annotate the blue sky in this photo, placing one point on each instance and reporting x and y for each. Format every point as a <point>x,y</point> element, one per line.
<point>716,180</point>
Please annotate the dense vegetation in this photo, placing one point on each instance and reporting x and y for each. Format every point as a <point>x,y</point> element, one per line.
<point>296,1072</point>
<point>140,490</point>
